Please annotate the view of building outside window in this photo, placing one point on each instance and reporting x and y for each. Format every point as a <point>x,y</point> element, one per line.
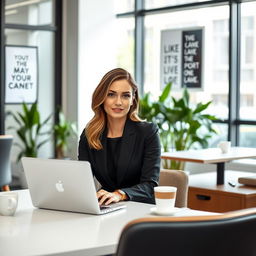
<point>162,3</point>
<point>38,12</point>
<point>248,62</point>
<point>125,44</point>
<point>248,74</point>
<point>247,136</point>
<point>124,6</point>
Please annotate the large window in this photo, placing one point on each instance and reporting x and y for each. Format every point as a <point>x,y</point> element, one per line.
<point>44,40</point>
<point>229,68</point>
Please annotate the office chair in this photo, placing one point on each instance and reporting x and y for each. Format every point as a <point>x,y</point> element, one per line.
<point>177,179</point>
<point>228,234</point>
<point>5,167</point>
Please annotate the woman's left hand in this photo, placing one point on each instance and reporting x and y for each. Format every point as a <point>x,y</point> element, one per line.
<point>107,198</point>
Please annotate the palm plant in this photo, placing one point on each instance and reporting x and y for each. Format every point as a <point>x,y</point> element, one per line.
<point>181,125</point>
<point>29,130</point>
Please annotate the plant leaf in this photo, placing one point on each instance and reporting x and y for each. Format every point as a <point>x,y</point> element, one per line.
<point>165,92</point>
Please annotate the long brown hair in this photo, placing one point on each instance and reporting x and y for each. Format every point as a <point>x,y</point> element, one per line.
<point>97,124</point>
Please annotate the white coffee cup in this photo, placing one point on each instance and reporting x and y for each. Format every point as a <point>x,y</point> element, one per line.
<point>224,146</point>
<point>165,197</point>
<point>8,203</point>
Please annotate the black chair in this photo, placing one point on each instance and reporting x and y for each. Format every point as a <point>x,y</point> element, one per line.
<point>5,166</point>
<point>228,234</point>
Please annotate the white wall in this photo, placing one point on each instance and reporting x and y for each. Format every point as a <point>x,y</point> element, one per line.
<point>97,51</point>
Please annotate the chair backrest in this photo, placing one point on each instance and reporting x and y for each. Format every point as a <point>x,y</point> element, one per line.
<point>177,179</point>
<point>5,165</point>
<point>231,233</point>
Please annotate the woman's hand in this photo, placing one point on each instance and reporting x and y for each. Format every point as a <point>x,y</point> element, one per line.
<point>106,198</point>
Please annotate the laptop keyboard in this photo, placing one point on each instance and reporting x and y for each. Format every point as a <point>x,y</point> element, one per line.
<point>112,207</point>
<point>106,208</point>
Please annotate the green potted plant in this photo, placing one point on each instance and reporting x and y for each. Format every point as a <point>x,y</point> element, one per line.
<point>181,126</point>
<point>63,129</point>
<point>29,130</point>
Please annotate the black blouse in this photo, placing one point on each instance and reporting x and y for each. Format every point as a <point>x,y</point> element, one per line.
<point>113,152</point>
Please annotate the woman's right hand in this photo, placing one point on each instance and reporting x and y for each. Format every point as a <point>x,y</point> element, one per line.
<point>107,198</point>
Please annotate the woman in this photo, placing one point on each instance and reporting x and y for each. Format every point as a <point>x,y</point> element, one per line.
<point>123,151</point>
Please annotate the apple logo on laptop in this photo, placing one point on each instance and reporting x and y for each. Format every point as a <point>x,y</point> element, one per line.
<point>59,186</point>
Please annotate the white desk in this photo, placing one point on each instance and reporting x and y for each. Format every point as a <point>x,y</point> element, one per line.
<point>35,231</point>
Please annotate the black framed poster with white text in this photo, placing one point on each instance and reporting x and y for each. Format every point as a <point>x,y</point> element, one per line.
<point>21,74</point>
<point>181,58</point>
<point>192,58</point>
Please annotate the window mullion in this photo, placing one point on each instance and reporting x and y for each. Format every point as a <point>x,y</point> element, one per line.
<point>234,71</point>
<point>2,67</point>
<point>139,44</point>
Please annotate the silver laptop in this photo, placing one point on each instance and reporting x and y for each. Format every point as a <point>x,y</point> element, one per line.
<point>64,185</point>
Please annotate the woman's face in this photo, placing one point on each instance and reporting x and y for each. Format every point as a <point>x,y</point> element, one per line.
<point>119,99</point>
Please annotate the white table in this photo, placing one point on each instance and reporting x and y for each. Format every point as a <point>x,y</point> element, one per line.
<point>211,156</point>
<point>35,231</point>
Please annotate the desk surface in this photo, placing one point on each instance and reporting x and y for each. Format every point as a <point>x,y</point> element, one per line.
<point>35,231</point>
<point>210,155</point>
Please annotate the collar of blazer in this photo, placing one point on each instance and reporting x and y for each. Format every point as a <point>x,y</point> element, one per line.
<point>126,150</point>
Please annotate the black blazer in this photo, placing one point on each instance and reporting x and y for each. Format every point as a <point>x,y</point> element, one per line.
<point>138,166</point>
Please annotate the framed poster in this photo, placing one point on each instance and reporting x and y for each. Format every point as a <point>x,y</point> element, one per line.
<point>192,58</point>
<point>21,74</point>
<point>182,57</point>
<point>170,63</point>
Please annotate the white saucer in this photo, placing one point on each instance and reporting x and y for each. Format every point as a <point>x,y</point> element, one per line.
<point>170,212</point>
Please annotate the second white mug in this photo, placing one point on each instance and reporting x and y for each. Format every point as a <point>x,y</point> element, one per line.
<point>8,203</point>
<point>224,146</point>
